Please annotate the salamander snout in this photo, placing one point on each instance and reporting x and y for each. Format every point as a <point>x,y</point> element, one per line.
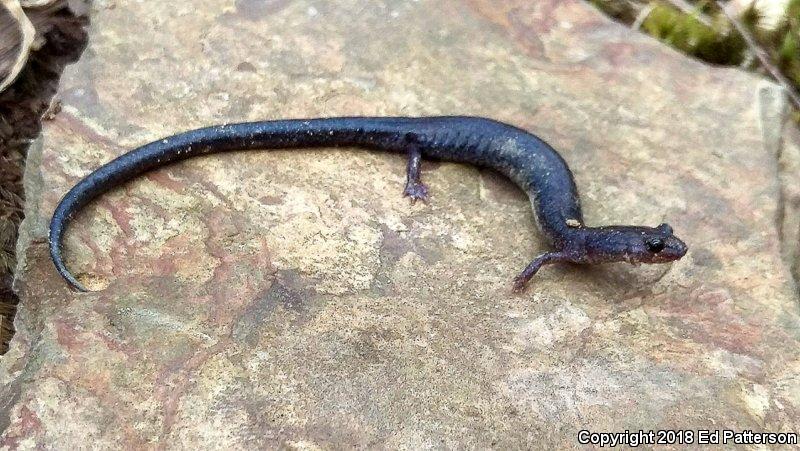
<point>656,245</point>
<point>664,246</point>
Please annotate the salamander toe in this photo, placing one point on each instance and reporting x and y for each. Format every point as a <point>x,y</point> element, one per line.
<point>416,191</point>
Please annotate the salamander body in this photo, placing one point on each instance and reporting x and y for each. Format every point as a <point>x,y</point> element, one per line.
<point>524,158</point>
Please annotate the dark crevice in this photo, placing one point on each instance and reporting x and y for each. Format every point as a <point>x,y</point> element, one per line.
<point>22,107</point>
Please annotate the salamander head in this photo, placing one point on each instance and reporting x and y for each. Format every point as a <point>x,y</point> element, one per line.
<point>634,244</point>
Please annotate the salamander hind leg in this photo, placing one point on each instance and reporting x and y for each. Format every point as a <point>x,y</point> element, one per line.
<point>415,189</point>
<point>536,265</point>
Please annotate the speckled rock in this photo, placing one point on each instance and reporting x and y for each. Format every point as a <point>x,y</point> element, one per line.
<point>295,298</point>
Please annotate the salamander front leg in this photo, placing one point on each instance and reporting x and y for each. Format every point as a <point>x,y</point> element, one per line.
<point>414,189</point>
<point>536,264</point>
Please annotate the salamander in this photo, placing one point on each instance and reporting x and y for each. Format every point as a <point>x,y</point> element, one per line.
<point>526,159</point>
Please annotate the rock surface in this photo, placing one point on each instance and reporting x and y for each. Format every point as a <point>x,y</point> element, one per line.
<point>295,298</point>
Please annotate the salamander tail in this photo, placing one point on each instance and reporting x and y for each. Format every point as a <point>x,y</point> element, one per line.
<point>56,232</point>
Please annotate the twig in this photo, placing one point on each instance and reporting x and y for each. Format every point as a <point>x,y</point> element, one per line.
<point>642,16</point>
<point>28,34</point>
<point>692,10</point>
<point>761,55</point>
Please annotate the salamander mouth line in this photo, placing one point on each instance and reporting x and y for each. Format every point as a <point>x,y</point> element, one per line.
<point>526,159</point>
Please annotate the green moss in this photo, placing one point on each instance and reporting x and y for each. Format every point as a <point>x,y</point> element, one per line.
<point>714,39</point>
<point>717,43</point>
<point>786,42</point>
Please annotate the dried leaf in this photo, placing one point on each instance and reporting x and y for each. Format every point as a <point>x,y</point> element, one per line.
<point>36,3</point>
<point>28,35</point>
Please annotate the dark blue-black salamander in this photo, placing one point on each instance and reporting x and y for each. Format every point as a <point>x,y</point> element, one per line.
<point>524,158</point>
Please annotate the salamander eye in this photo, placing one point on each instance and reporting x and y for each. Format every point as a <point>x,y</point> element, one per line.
<point>655,245</point>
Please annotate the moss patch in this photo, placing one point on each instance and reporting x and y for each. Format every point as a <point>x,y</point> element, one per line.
<point>705,33</point>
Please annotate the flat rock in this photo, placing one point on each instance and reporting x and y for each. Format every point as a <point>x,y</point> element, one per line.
<point>295,298</point>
